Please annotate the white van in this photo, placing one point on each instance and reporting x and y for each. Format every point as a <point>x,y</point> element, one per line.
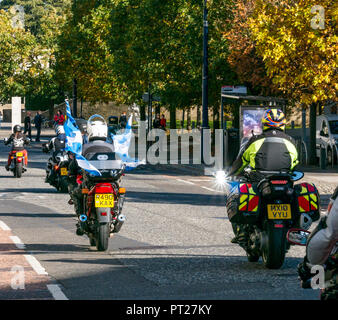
<point>327,136</point>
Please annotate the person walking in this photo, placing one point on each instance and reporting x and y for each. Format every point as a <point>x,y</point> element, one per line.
<point>157,122</point>
<point>163,122</point>
<point>37,123</point>
<point>28,125</point>
<point>0,118</point>
<point>123,120</point>
<point>59,119</point>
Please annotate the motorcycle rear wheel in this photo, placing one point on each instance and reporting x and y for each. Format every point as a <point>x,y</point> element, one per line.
<point>102,238</point>
<point>273,253</point>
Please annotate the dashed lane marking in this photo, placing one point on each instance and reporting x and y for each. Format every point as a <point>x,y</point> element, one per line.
<point>35,264</point>
<point>56,292</point>
<point>4,226</point>
<point>185,181</point>
<point>18,243</point>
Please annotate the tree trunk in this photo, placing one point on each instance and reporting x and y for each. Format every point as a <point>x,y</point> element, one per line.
<point>312,149</point>
<point>189,118</point>
<point>143,112</point>
<point>172,117</point>
<point>198,116</point>
<point>183,119</point>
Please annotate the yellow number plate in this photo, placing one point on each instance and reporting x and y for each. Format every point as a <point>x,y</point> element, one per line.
<point>19,154</point>
<point>279,211</point>
<point>64,171</point>
<point>104,200</point>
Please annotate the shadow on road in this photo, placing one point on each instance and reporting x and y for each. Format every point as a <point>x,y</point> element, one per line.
<point>175,198</point>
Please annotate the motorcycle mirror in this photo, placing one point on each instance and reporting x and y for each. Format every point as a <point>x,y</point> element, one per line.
<point>5,139</point>
<point>298,236</point>
<point>297,175</point>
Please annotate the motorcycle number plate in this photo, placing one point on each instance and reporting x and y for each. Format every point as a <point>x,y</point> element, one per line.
<point>64,171</point>
<point>104,200</point>
<point>279,211</point>
<point>19,154</point>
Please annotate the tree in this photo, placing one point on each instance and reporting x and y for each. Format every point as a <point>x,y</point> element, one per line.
<point>300,58</point>
<point>18,63</point>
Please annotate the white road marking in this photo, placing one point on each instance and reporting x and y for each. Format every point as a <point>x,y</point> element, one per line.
<point>39,269</point>
<point>4,226</point>
<point>209,189</point>
<point>56,292</point>
<point>18,243</point>
<point>185,181</point>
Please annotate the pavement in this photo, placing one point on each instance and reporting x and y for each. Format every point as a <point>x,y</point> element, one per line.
<point>175,243</point>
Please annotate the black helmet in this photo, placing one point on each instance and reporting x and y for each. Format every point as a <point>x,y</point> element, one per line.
<point>17,128</point>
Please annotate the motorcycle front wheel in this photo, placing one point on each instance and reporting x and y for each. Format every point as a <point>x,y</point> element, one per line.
<point>273,251</point>
<point>18,170</point>
<point>102,238</point>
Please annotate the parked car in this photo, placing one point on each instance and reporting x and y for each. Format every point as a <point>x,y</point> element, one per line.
<point>327,136</point>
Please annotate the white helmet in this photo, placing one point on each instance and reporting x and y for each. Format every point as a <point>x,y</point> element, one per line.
<point>97,128</point>
<point>59,130</point>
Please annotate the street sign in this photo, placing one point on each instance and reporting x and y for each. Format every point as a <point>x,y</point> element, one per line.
<point>234,90</point>
<point>145,97</point>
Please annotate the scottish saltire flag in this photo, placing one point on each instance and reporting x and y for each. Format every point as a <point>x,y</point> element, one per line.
<point>122,143</point>
<point>74,143</point>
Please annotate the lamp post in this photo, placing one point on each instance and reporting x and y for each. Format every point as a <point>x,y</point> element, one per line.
<point>205,121</point>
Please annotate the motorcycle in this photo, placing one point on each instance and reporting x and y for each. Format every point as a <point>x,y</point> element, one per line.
<point>330,290</point>
<point>103,200</point>
<point>57,170</point>
<point>265,211</point>
<point>17,162</point>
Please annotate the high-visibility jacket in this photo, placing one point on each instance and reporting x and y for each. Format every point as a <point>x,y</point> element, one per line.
<point>273,150</point>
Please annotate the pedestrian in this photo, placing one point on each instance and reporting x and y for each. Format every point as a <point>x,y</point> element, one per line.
<point>163,122</point>
<point>0,118</point>
<point>59,119</point>
<point>28,125</point>
<point>157,122</point>
<point>123,120</point>
<point>38,122</point>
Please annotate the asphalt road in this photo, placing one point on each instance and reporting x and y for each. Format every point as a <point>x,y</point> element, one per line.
<point>175,243</point>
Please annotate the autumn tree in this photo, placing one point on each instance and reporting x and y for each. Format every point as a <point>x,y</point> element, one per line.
<point>300,56</point>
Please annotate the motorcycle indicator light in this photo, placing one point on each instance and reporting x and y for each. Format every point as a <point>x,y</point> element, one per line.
<point>122,190</point>
<point>85,191</point>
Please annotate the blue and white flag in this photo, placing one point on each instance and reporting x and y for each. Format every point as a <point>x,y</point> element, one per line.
<point>74,143</point>
<point>122,143</point>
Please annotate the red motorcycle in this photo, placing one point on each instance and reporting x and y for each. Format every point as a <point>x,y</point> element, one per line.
<point>103,202</point>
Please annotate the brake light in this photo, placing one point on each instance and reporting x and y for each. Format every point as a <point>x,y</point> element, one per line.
<point>279,181</point>
<point>19,159</point>
<point>278,226</point>
<point>104,214</point>
<point>104,188</point>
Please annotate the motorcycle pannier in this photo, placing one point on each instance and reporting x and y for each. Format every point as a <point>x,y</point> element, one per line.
<point>243,204</point>
<point>307,197</point>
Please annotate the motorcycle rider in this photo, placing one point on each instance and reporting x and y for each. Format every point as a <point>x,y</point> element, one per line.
<point>97,131</point>
<point>18,140</point>
<point>321,241</point>
<point>273,150</point>
<point>56,144</point>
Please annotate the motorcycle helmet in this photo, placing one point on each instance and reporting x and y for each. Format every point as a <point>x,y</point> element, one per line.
<point>97,128</point>
<point>274,118</point>
<point>59,130</point>
<point>17,128</point>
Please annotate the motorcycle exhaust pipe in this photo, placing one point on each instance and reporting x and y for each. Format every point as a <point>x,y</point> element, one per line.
<point>120,220</point>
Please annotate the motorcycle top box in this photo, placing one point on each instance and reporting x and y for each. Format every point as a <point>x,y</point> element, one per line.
<point>243,204</point>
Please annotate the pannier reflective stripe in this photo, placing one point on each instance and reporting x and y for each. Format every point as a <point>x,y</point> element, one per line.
<point>308,199</point>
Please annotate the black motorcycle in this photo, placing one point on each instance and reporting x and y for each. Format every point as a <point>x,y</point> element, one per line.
<point>57,170</point>
<point>263,206</point>
<point>103,200</point>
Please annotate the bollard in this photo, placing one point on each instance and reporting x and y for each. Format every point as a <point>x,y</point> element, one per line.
<point>322,157</point>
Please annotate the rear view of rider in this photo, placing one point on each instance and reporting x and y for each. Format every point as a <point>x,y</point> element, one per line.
<point>56,144</point>
<point>273,150</point>
<point>321,241</point>
<point>18,141</point>
<point>97,131</point>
